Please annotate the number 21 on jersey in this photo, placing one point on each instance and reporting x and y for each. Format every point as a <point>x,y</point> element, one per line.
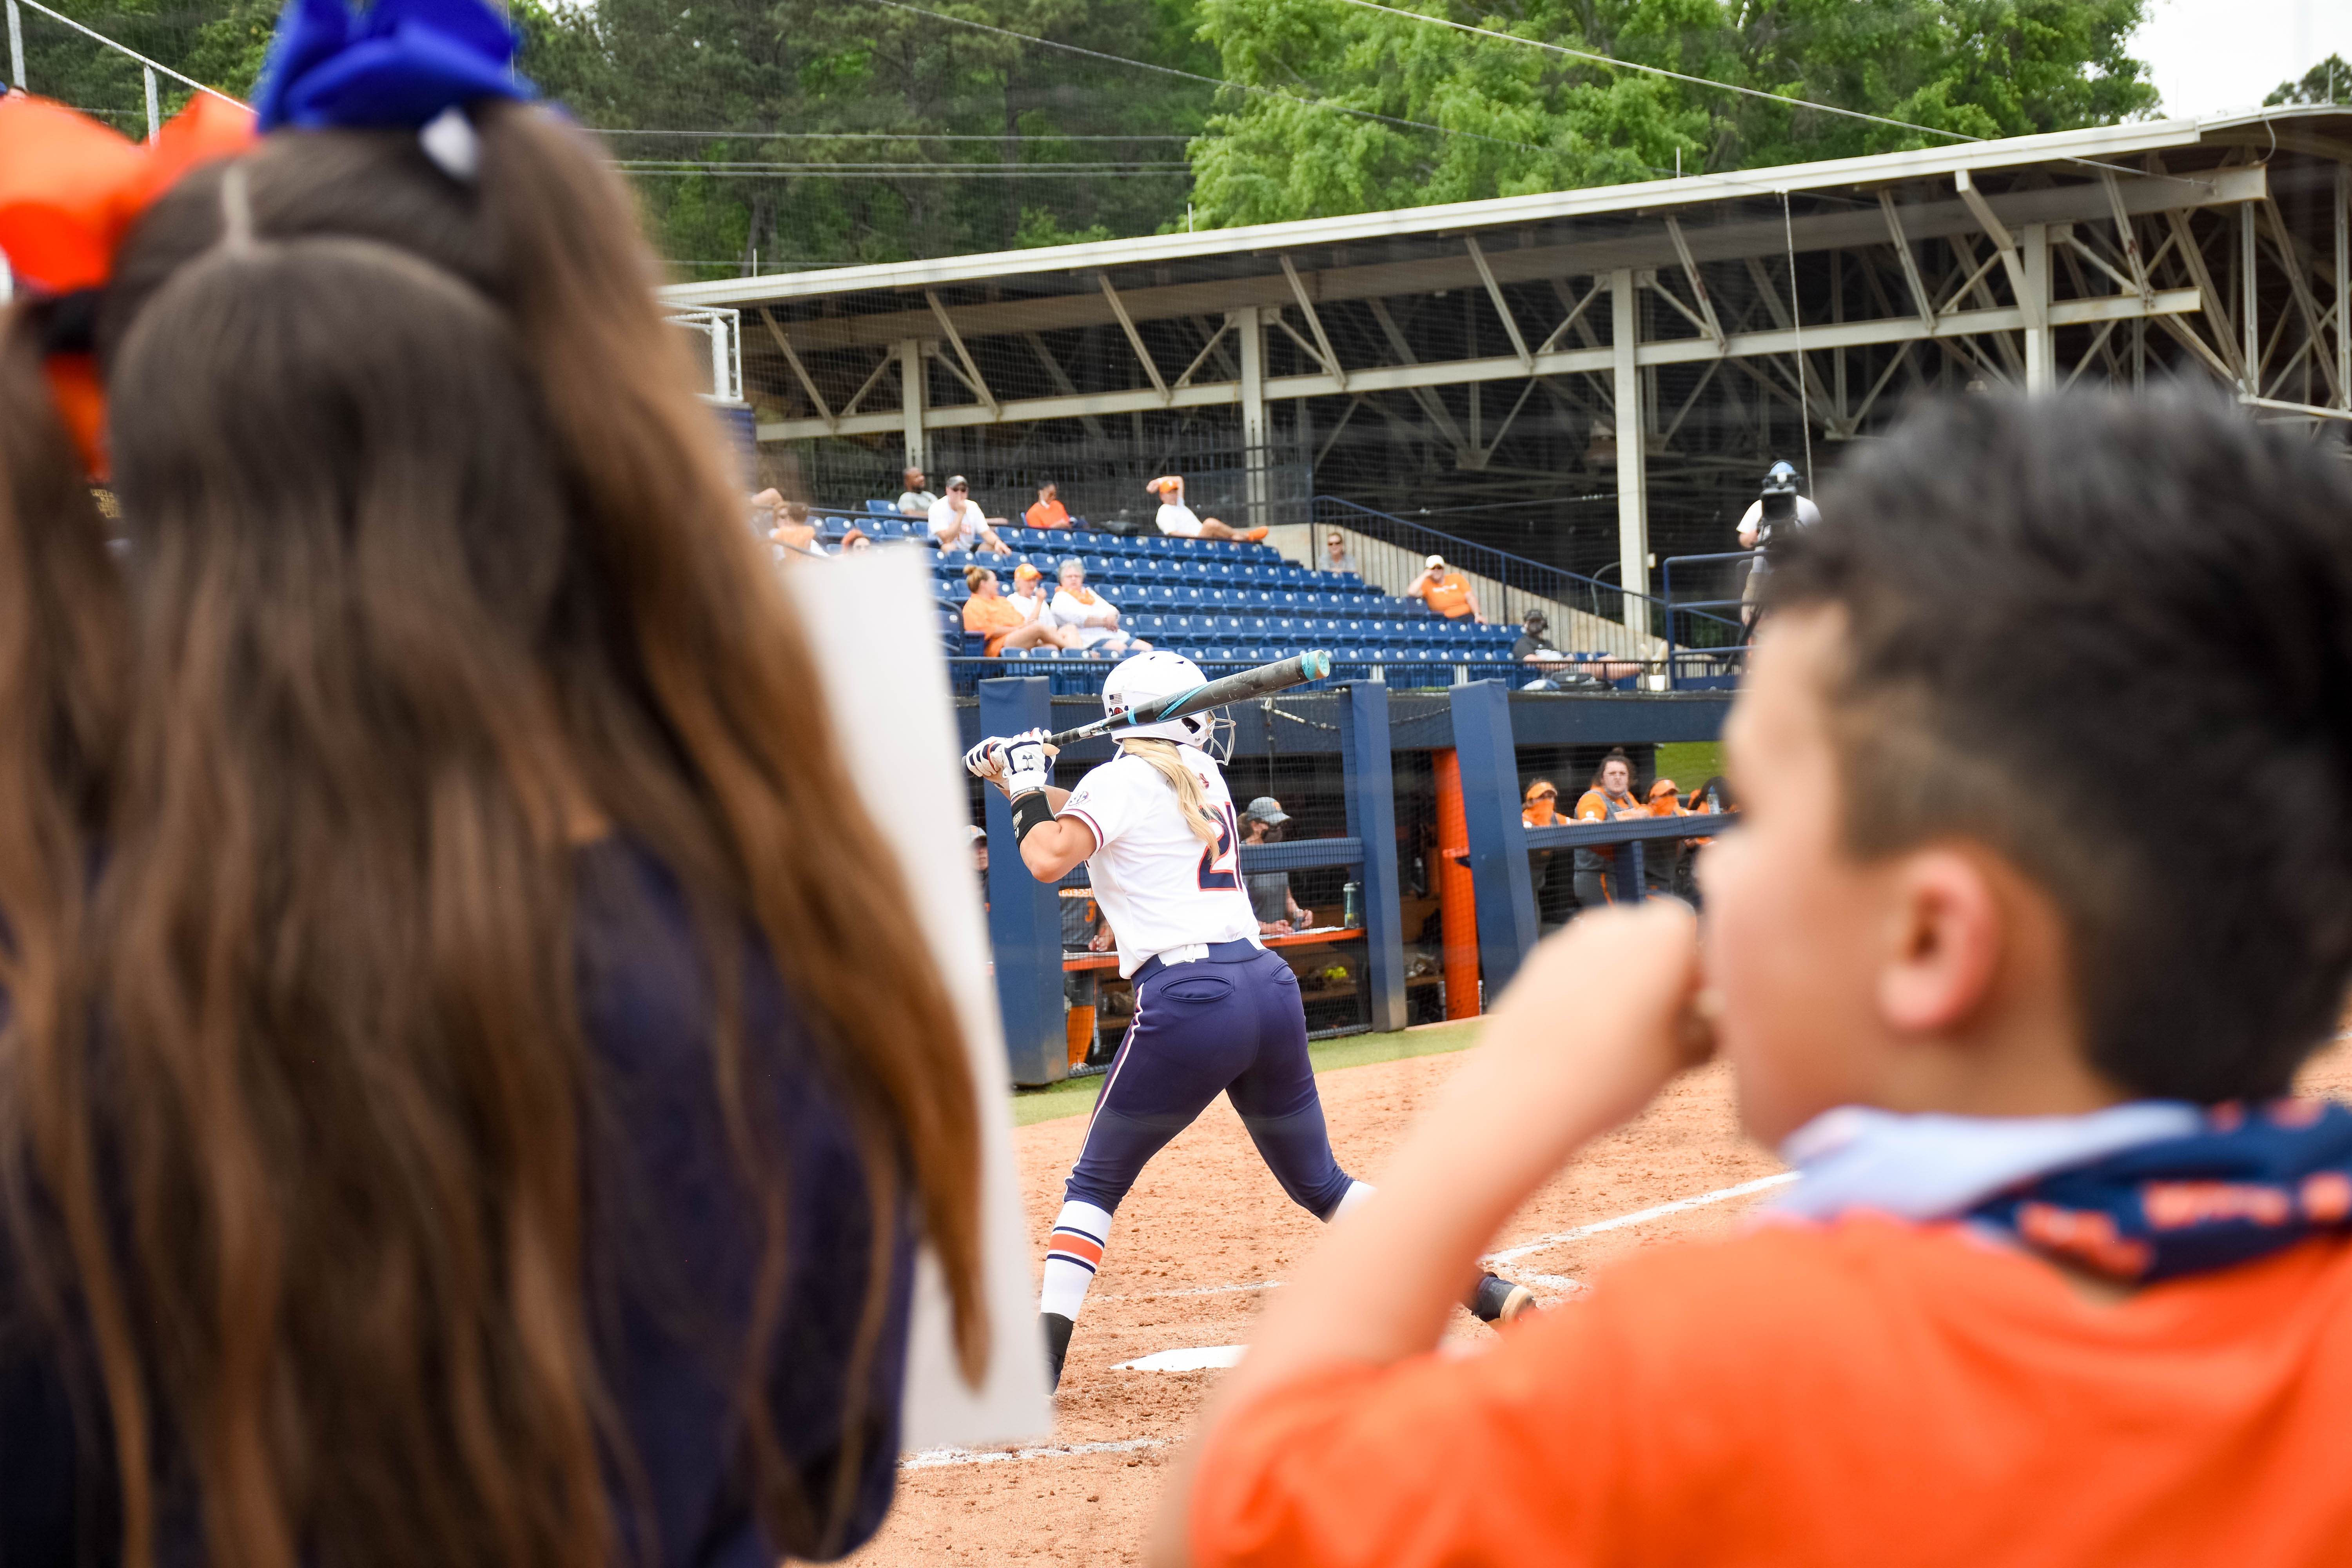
<point>1221,861</point>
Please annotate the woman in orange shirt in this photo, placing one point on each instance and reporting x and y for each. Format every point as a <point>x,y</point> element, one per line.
<point>1048,512</point>
<point>1003,621</point>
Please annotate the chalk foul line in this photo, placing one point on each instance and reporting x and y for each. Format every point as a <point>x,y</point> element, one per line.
<point>935,1458</point>
<point>1560,1239</point>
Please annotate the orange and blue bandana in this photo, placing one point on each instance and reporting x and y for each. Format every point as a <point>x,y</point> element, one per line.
<point>2253,1180</point>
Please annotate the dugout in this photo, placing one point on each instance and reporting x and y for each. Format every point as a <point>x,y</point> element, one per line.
<point>1361,772</point>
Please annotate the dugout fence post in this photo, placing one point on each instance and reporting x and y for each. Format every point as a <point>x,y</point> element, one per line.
<point>1507,928</point>
<point>1368,785</point>
<point>1024,915</point>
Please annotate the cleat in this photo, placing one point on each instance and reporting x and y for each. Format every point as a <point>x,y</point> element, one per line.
<point>1498,1301</point>
<point>1057,1329</point>
<point>1254,534</point>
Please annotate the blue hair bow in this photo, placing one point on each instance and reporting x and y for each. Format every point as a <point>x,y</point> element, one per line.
<point>398,63</point>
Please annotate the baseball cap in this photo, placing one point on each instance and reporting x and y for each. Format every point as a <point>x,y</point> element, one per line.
<point>1266,809</point>
<point>959,483</point>
<point>1434,561</point>
<point>1535,618</point>
<point>1024,572</point>
<point>1663,786</point>
<point>977,832</point>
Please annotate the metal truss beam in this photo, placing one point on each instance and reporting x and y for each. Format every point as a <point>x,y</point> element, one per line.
<point>1600,361</point>
<point>1647,245</point>
<point>1134,338</point>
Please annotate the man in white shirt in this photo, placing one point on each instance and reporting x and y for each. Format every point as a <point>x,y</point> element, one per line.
<point>915,500</point>
<point>1095,619</point>
<point>1178,520</point>
<point>956,522</point>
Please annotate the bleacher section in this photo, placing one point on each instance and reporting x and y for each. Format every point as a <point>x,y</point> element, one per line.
<point>1222,603</point>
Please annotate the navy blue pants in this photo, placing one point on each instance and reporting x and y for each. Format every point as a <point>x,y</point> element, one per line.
<point>1230,1023</point>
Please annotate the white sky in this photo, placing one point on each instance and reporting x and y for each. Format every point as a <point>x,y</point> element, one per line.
<point>2216,57</point>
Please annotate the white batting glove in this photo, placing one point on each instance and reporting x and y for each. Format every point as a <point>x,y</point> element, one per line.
<point>980,760</point>
<point>1025,759</point>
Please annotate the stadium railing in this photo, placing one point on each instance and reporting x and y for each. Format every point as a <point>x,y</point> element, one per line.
<point>1705,651</point>
<point>1584,612</point>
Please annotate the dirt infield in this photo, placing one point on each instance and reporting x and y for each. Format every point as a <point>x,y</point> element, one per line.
<point>1204,1225</point>
<point>1204,1230</point>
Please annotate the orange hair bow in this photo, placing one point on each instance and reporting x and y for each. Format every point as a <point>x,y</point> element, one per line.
<point>70,188</point>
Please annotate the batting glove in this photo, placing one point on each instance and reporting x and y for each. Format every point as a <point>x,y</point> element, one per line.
<point>979,763</point>
<point>1026,762</point>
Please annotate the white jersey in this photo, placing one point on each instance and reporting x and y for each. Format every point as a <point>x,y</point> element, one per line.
<point>1178,520</point>
<point>1159,885</point>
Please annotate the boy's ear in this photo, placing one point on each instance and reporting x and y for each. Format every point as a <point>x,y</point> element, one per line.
<point>1944,939</point>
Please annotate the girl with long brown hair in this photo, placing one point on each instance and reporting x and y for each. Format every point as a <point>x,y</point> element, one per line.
<point>466,1126</point>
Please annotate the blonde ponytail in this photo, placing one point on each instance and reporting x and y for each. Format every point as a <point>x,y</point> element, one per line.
<point>1162,755</point>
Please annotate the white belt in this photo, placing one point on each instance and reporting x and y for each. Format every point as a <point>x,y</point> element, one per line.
<point>1191,953</point>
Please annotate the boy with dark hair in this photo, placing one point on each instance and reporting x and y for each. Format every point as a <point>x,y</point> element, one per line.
<point>2059,1281</point>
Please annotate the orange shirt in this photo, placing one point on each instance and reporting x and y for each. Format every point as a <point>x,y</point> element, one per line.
<point>1867,1392</point>
<point>1594,806</point>
<point>996,616</point>
<point>1449,596</point>
<point>1047,514</point>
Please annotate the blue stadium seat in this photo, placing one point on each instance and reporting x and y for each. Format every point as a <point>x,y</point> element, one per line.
<point>881,508</point>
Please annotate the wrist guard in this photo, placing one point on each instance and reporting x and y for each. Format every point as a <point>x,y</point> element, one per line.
<point>1030,813</point>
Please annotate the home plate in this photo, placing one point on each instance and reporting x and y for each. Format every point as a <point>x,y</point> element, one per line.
<point>1197,1358</point>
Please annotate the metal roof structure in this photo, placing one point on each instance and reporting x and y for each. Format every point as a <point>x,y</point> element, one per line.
<point>1643,349</point>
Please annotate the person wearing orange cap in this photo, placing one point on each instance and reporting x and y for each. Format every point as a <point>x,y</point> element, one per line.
<point>1662,858</point>
<point>1005,622</point>
<point>1180,522</point>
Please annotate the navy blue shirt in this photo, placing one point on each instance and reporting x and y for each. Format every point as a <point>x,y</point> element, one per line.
<point>674,1244</point>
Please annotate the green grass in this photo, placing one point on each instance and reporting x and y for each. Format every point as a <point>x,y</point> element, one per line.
<point>1690,763</point>
<point>1076,1097</point>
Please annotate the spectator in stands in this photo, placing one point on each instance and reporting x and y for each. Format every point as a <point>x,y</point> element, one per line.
<point>956,522</point>
<point>854,540</point>
<point>1446,591</point>
<point>979,855</point>
<point>1029,595</point>
<point>1337,556</point>
<point>1048,512</point>
<point>1093,619</point>
<point>1007,623</point>
<point>793,531</point>
<point>1278,913</point>
<point>1178,520</point>
<point>1533,647</point>
<point>765,505</point>
<point>915,500</point>
<point>1611,799</point>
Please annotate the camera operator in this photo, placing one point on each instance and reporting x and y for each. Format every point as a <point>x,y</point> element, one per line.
<point>1777,506</point>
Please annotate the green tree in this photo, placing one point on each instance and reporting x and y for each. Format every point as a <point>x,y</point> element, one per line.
<point>2329,81</point>
<point>809,88</point>
<point>1517,118</point>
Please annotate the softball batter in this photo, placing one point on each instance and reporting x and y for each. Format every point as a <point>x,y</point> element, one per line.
<point>1214,1010</point>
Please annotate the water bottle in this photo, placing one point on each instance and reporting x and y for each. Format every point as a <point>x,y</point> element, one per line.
<point>1352,906</point>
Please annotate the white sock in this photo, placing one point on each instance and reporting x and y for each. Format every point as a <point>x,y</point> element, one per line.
<point>1072,1254</point>
<point>1356,1193</point>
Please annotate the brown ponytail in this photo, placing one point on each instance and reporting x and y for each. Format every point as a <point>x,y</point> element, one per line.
<point>63,654</point>
<point>337,915</point>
